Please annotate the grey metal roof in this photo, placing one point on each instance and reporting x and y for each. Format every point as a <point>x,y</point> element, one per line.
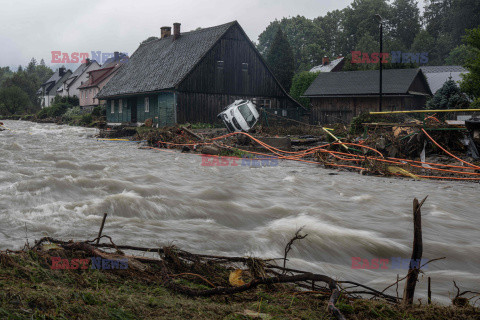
<point>328,67</point>
<point>436,69</point>
<point>438,75</point>
<point>163,63</point>
<point>395,81</point>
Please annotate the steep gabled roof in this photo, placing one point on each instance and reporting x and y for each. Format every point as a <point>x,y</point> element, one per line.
<point>97,76</point>
<point>163,63</point>
<point>53,80</point>
<point>78,72</point>
<point>358,83</point>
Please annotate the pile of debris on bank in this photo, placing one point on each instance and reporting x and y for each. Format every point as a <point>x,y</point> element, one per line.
<point>386,145</point>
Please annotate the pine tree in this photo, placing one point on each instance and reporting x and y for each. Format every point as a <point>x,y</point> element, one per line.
<point>448,96</point>
<point>280,60</point>
<point>31,66</point>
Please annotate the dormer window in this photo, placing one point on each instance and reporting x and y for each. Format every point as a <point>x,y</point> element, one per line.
<point>220,64</point>
<point>244,66</point>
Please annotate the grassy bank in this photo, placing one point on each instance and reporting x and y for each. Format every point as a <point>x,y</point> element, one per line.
<point>30,289</point>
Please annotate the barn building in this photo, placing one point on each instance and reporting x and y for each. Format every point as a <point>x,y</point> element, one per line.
<point>191,76</point>
<point>337,97</point>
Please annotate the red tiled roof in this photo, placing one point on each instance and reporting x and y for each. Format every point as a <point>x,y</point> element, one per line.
<point>97,76</point>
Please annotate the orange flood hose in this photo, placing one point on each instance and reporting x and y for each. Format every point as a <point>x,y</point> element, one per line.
<point>450,154</point>
<point>400,163</point>
<point>295,156</point>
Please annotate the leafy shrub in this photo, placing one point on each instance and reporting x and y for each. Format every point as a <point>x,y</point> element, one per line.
<point>57,110</point>
<point>86,119</point>
<point>99,111</point>
<point>42,114</point>
<point>72,112</point>
<point>53,111</point>
<point>300,83</point>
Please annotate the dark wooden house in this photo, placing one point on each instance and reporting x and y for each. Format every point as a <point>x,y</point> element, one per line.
<point>191,76</point>
<point>337,97</point>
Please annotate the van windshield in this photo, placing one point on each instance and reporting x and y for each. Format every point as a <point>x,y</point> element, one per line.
<point>247,114</point>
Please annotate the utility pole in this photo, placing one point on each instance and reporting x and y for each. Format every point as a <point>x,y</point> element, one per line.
<point>380,21</point>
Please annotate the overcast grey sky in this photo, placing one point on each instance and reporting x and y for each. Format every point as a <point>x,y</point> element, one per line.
<point>34,28</point>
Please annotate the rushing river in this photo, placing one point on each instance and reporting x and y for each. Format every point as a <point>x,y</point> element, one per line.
<point>59,180</point>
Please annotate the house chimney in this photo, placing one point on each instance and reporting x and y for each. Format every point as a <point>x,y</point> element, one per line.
<point>176,31</point>
<point>116,56</point>
<point>325,61</point>
<point>87,61</point>
<point>61,71</point>
<point>165,32</point>
<point>340,57</point>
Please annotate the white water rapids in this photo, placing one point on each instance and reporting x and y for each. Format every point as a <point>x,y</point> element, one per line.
<point>59,180</point>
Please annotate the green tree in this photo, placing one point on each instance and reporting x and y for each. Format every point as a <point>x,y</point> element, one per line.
<point>446,21</point>
<point>5,72</point>
<point>31,66</point>
<point>460,55</point>
<point>304,36</point>
<point>448,96</point>
<point>43,72</point>
<point>280,60</point>
<point>360,21</point>
<point>14,100</point>
<point>424,42</point>
<point>404,22</point>
<point>471,81</point>
<point>331,26</point>
<point>300,83</point>
<point>27,83</point>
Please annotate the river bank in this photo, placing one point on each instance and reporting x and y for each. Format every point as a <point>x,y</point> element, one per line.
<point>46,282</point>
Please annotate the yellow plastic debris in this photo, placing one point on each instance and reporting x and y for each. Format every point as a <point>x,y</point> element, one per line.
<point>51,246</point>
<point>235,278</point>
<point>393,169</point>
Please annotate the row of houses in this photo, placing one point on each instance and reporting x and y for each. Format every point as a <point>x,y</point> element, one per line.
<point>84,83</point>
<point>191,76</point>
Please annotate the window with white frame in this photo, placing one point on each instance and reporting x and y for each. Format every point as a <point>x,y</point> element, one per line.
<point>147,104</point>
<point>112,106</point>
<point>120,107</point>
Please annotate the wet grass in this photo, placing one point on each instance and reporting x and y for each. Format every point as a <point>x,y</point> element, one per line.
<point>29,289</point>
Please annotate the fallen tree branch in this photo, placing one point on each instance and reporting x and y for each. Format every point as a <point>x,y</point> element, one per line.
<point>288,247</point>
<point>331,305</point>
<point>373,291</point>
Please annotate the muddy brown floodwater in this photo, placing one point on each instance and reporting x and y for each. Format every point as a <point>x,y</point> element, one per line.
<point>58,181</point>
